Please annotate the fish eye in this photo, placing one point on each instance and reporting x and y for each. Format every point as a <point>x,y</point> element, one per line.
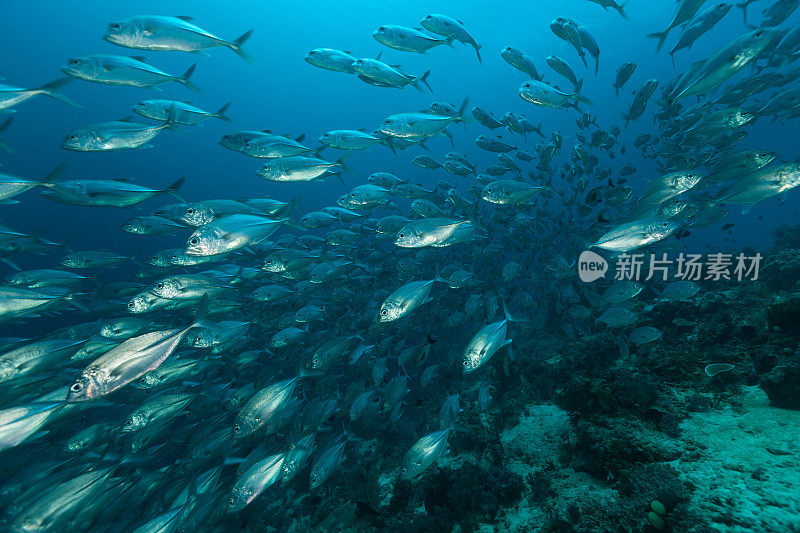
<point>194,240</point>
<point>384,312</point>
<point>464,363</point>
<point>114,26</point>
<point>130,305</point>
<point>231,503</point>
<point>199,338</point>
<point>382,28</point>
<point>73,137</point>
<point>74,61</point>
<point>268,261</point>
<point>190,211</point>
<point>237,428</point>
<point>76,387</point>
<point>401,235</point>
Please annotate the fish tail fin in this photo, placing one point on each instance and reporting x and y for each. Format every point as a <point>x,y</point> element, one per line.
<point>424,79</point>
<point>51,90</point>
<point>3,145</point>
<point>582,55</point>
<point>462,110</point>
<point>185,79</point>
<point>621,9</point>
<point>220,114</point>
<point>672,56</point>
<point>661,36</point>
<point>236,46</point>
<point>596,65</point>
<point>478,52</point>
<point>616,88</point>
<point>579,98</point>
<point>53,177</point>
<point>510,317</point>
<point>342,164</point>
<point>172,190</point>
<point>286,210</point>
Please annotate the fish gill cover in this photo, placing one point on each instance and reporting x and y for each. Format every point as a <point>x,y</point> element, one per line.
<point>399,266</point>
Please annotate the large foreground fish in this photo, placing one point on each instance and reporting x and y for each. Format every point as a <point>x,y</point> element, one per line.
<point>156,32</point>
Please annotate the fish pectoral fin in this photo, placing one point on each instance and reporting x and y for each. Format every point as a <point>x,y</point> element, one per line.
<point>132,367</point>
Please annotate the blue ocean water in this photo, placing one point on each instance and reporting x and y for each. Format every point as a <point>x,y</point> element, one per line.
<point>284,94</point>
<point>561,359</point>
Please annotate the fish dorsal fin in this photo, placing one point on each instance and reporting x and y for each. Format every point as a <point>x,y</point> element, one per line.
<point>139,58</point>
<point>378,57</point>
<point>184,17</point>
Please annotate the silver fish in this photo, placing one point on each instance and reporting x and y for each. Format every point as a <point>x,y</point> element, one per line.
<point>125,363</point>
<point>155,32</point>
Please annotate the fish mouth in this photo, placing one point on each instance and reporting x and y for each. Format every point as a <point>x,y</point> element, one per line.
<point>194,250</point>
<point>113,38</point>
<point>71,145</point>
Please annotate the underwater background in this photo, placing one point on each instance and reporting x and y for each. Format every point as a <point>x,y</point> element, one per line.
<point>615,405</point>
